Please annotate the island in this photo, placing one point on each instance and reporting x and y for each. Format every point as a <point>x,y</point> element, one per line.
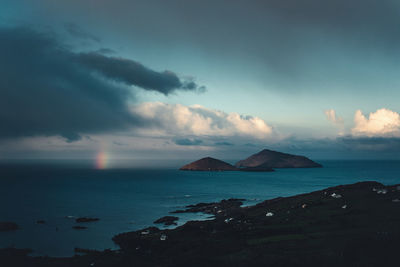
<point>345,225</point>
<point>274,159</point>
<point>212,164</point>
<point>208,164</point>
<point>264,161</point>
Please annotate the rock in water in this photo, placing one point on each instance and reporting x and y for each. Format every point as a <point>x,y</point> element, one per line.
<point>208,164</point>
<point>8,226</point>
<point>86,219</point>
<point>273,159</point>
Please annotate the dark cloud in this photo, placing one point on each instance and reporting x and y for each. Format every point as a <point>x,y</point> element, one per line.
<point>250,145</point>
<point>347,147</point>
<point>188,142</point>
<point>337,13</point>
<point>223,144</point>
<point>78,32</point>
<point>371,143</point>
<point>105,51</point>
<point>287,43</point>
<point>134,73</point>
<point>71,137</point>
<point>46,89</point>
<point>118,143</point>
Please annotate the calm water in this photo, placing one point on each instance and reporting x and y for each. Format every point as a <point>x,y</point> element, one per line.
<point>130,199</point>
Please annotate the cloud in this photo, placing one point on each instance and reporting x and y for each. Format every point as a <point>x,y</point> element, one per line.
<point>133,73</point>
<point>176,119</point>
<point>105,51</point>
<point>188,142</point>
<point>223,144</point>
<point>372,143</point>
<point>71,137</point>
<point>118,143</point>
<point>78,32</point>
<point>382,122</point>
<point>343,147</point>
<point>47,89</point>
<point>298,45</point>
<point>331,116</point>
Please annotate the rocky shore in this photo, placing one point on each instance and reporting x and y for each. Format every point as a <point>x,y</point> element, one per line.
<point>167,220</point>
<point>347,225</point>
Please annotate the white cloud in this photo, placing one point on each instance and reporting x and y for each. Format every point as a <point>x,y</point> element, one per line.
<point>176,119</point>
<point>382,122</point>
<point>332,117</point>
<point>175,129</point>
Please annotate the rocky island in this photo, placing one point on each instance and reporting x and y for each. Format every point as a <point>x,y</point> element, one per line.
<point>264,161</point>
<point>346,225</point>
<point>208,164</point>
<point>273,159</point>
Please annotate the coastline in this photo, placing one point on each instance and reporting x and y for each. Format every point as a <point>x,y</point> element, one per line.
<point>347,224</point>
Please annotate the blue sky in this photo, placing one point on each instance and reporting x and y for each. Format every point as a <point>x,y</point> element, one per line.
<point>304,70</point>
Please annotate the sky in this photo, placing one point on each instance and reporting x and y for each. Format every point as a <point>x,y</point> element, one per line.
<point>154,79</point>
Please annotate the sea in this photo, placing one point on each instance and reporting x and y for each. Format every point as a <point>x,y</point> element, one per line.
<point>128,199</point>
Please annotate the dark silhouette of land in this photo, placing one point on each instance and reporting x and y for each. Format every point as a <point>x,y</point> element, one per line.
<point>273,159</point>
<point>167,220</point>
<point>347,225</point>
<point>263,161</point>
<point>208,164</point>
<point>86,219</point>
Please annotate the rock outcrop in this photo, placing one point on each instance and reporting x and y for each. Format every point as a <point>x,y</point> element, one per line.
<point>86,219</point>
<point>167,220</point>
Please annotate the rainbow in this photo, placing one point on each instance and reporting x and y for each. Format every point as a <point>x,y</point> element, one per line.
<point>101,160</point>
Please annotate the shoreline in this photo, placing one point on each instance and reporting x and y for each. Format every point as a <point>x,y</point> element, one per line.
<point>327,226</point>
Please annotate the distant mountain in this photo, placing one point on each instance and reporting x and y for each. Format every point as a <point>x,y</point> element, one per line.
<point>208,164</point>
<point>273,159</point>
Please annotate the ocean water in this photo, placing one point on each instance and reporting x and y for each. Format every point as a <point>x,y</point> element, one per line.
<point>131,199</point>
